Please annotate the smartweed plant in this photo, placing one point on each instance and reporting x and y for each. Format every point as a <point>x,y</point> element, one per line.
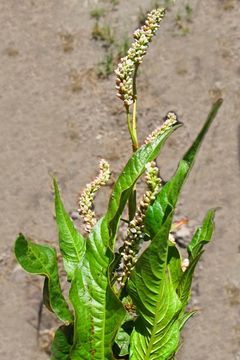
<point>124,303</point>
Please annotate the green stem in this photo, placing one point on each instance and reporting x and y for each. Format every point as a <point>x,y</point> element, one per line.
<point>134,115</point>
<point>130,128</point>
<point>134,126</point>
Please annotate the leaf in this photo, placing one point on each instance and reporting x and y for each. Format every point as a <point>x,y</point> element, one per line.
<point>98,312</point>
<point>195,248</point>
<point>150,271</point>
<point>42,260</point>
<point>72,244</point>
<point>61,346</point>
<point>170,192</point>
<point>130,174</point>
<point>202,236</point>
<point>156,335</point>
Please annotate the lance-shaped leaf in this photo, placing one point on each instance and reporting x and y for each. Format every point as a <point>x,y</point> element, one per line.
<point>72,244</point>
<point>61,346</point>
<point>170,192</point>
<point>130,174</point>
<point>42,260</point>
<point>156,335</point>
<point>98,312</point>
<point>201,237</point>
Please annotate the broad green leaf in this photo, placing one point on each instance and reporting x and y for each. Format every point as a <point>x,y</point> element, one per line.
<point>61,346</point>
<point>98,312</point>
<point>42,260</point>
<point>130,174</point>
<point>170,192</point>
<point>72,244</point>
<point>202,236</point>
<point>156,335</point>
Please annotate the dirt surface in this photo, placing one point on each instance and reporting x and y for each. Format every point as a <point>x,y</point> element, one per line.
<point>58,117</point>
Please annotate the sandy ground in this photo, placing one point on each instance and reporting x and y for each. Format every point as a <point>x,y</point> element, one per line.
<point>58,118</point>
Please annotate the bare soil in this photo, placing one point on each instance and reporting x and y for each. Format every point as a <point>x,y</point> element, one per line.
<point>58,117</point>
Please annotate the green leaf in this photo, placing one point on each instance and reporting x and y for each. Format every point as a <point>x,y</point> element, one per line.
<point>170,192</point>
<point>98,312</point>
<point>42,260</point>
<point>61,346</point>
<point>150,271</point>
<point>130,174</point>
<point>72,244</point>
<point>202,236</point>
<point>156,335</point>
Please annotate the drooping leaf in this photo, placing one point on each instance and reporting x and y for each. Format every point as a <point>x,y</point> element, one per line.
<point>170,192</point>
<point>130,174</point>
<point>42,260</point>
<point>72,244</point>
<point>201,237</point>
<point>156,334</point>
<point>62,342</point>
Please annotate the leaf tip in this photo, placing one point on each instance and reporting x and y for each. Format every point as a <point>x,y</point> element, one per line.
<point>20,245</point>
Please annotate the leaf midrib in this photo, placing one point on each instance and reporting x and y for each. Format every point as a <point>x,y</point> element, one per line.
<point>77,252</point>
<point>155,322</point>
<point>47,273</point>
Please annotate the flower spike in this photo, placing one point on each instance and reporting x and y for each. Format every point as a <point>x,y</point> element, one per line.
<point>129,64</point>
<point>86,198</point>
